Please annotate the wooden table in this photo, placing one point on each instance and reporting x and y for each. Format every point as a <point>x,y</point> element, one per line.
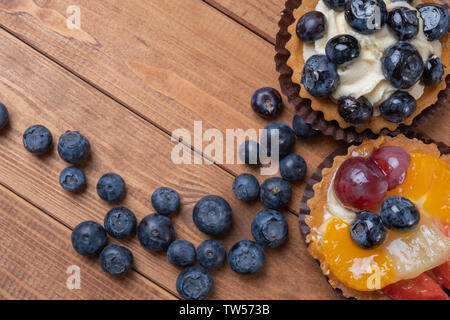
<point>134,72</point>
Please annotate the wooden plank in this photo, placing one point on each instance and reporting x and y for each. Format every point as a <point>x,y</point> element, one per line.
<point>172,62</point>
<point>36,254</point>
<point>38,91</point>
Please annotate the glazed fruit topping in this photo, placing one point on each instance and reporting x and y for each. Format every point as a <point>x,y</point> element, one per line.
<point>311,26</point>
<point>360,184</point>
<point>435,20</point>
<point>398,107</point>
<point>342,48</point>
<point>421,288</point>
<point>402,65</point>
<point>399,214</point>
<point>394,162</point>
<point>355,111</point>
<point>404,23</point>
<point>319,76</point>
<point>367,230</point>
<point>336,5</point>
<point>433,70</point>
<point>266,102</point>
<point>366,16</point>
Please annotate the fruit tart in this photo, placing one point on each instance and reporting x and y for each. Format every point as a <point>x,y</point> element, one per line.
<point>366,65</point>
<point>379,221</point>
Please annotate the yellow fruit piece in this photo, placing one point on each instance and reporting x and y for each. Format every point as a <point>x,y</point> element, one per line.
<point>358,268</point>
<point>437,202</point>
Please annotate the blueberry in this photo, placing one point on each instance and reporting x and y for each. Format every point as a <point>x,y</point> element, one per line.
<point>342,49</point>
<point>404,23</point>
<point>275,193</point>
<point>246,257</point>
<point>399,214</point>
<point>336,5</point>
<point>120,222</point>
<point>73,147</point>
<point>398,107</point>
<point>195,283</point>
<point>285,141</point>
<point>435,20</point>
<point>367,230</point>
<point>266,102</point>
<point>37,139</point>
<point>311,26</point>
<point>433,70</point>
<point>319,76</point>
<point>212,215</point>
<point>249,152</point>
<point>165,201</point>
<point>246,187</point>
<point>293,168</point>
<point>366,16</point>
<point>111,187</point>
<point>116,260</point>
<point>72,179</point>
<point>211,254</point>
<point>4,116</point>
<point>302,129</point>
<point>88,238</point>
<point>181,253</point>
<point>355,111</point>
<point>155,232</point>
<point>402,65</point>
<point>270,228</point>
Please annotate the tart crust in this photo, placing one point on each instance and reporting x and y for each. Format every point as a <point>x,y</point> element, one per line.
<point>317,203</point>
<point>328,107</point>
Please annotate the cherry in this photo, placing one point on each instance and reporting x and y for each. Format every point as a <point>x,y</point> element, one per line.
<point>394,162</point>
<point>360,184</point>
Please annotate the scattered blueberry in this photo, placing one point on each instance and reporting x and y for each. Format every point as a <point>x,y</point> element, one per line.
<point>195,283</point>
<point>165,201</point>
<point>88,238</point>
<point>267,102</point>
<point>402,65</point>
<point>367,230</point>
<point>246,187</point>
<point>211,254</point>
<point>433,70</point>
<point>302,129</point>
<point>270,228</point>
<point>249,152</point>
<point>293,168</point>
<point>285,141</point>
<point>116,260</point>
<point>72,179</point>
<point>120,222</point>
<point>111,187</point>
<point>212,215</point>
<point>311,26</point>
<point>275,193</point>
<point>366,16</point>
<point>355,111</point>
<point>4,116</point>
<point>319,76</point>
<point>404,23</point>
<point>73,147</point>
<point>398,107</point>
<point>336,5</point>
<point>342,49</point>
<point>399,214</point>
<point>435,20</point>
<point>155,232</point>
<point>246,257</point>
<point>37,139</point>
<point>181,253</point>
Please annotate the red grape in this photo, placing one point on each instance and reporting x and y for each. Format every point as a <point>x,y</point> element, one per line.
<point>394,162</point>
<point>360,184</point>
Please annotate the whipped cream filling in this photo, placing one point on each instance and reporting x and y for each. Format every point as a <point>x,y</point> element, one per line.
<point>364,76</point>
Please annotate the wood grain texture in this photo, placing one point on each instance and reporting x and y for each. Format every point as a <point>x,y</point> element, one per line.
<point>36,90</point>
<point>172,62</point>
